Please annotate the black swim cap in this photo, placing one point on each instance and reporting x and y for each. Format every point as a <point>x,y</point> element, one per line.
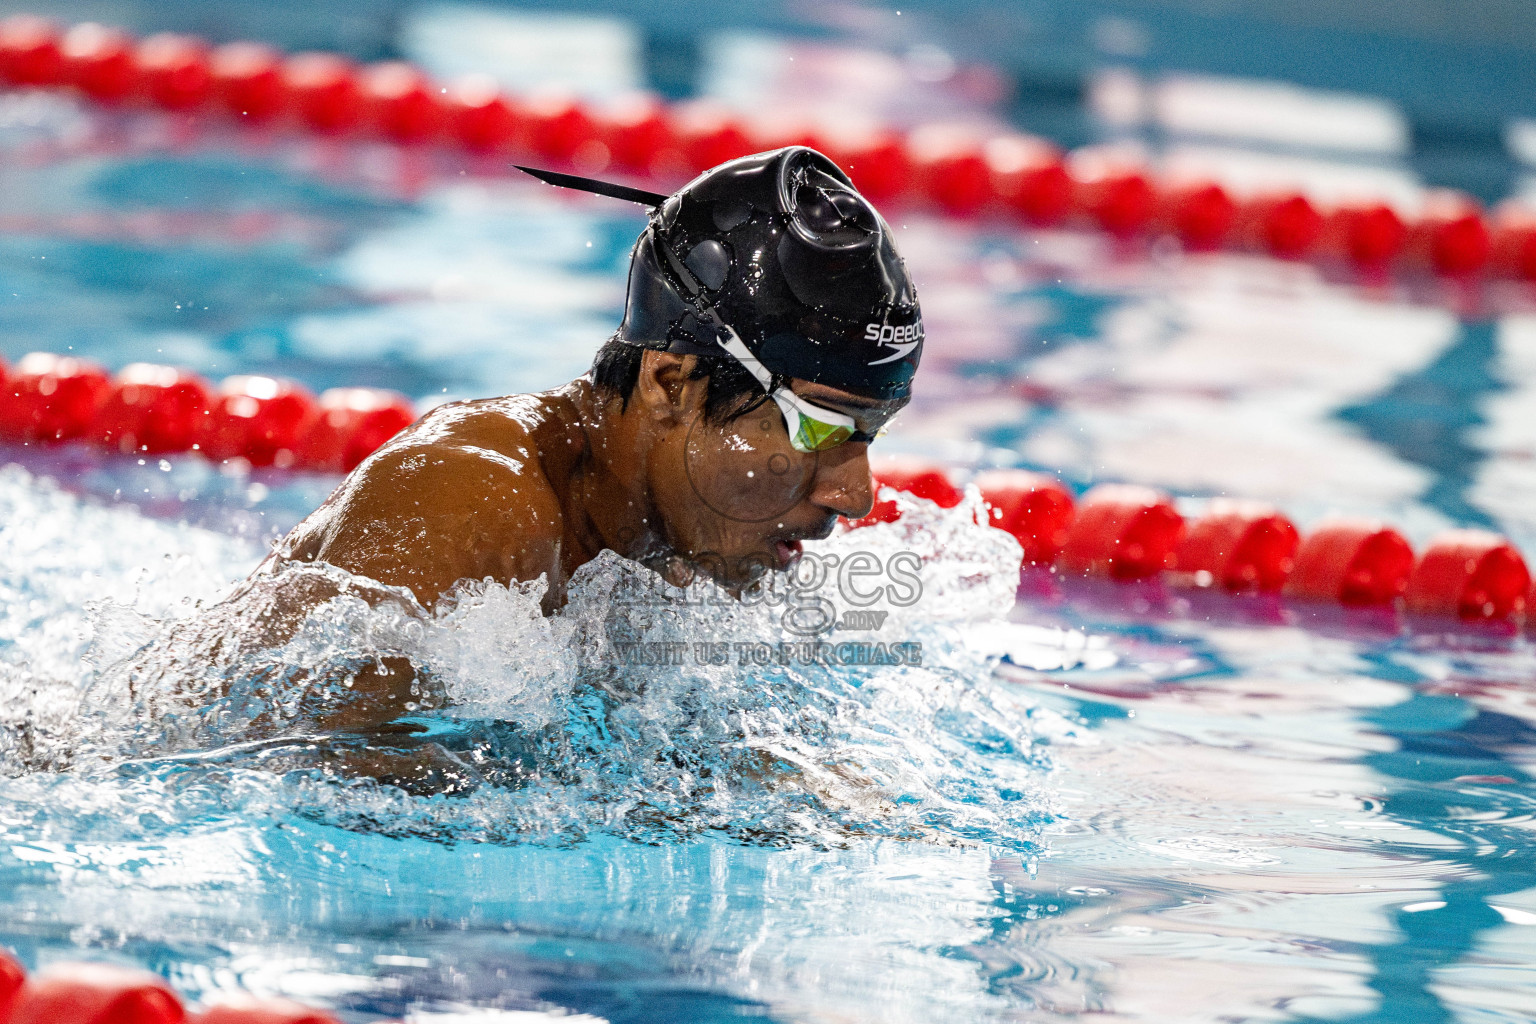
<point>783,249</point>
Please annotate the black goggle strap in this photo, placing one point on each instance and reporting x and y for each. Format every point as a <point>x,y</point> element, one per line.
<point>706,313</point>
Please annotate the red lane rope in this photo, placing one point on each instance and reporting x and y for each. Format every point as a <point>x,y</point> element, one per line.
<point>1129,532</point>
<point>1117,531</point>
<point>87,993</point>
<point>151,410</point>
<point>1010,177</point>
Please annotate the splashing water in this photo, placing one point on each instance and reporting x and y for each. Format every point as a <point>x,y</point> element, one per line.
<point>136,701</point>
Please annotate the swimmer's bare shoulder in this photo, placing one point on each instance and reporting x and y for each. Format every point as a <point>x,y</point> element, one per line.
<point>472,490</point>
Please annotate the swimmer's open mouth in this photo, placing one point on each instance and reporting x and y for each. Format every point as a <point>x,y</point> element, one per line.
<point>787,547</point>
<point>788,552</point>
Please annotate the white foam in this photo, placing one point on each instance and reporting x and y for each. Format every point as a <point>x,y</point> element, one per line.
<point>791,744</point>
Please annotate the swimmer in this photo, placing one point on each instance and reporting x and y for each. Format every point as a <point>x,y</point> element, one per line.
<point>770,332</point>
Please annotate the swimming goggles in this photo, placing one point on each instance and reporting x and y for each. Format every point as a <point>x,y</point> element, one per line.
<point>812,428</point>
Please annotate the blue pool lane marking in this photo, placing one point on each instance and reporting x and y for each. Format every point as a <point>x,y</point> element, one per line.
<point>1424,418</point>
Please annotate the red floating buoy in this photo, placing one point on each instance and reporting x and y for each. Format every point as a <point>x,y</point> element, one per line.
<point>263,1011</point>
<point>323,89</point>
<point>707,134</point>
<point>1120,201</point>
<point>959,183</point>
<point>1369,236</point>
<point>173,70</point>
<point>259,419</point>
<point>1351,562</point>
<point>948,169</point>
<point>1514,243</point>
<point>1028,175</point>
<point>1448,238</point>
<point>878,165</point>
<point>99,62</point>
<point>12,977</point>
<point>51,398</point>
<point>1453,235</point>
<point>401,102</point>
<point>29,51</point>
<point>635,130</point>
<point>1036,509</point>
<point>1201,214</point>
<point>1472,574</point>
<point>153,409</point>
<point>1122,531</point>
<point>248,80</point>
<point>918,477</point>
<point>1242,546</point>
<point>95,994</point>
<point>479,116</point>
<point>558,126</point>
<point>1287,226</point>
<point>353,423</point>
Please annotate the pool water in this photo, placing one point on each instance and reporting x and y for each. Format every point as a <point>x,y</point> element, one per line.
<point>1132,802</point>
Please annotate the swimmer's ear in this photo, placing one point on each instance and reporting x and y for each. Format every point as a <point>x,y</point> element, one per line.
<point>664,389</point>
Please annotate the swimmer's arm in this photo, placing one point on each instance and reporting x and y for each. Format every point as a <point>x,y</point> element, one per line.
<point>377,693</point>
<point>422,520</point>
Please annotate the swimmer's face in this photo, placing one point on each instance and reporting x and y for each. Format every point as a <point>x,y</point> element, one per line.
<point>736,498</point>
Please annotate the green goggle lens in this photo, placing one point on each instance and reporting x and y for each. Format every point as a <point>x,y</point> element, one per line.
<point>816,436</point>
<point>812,428</point>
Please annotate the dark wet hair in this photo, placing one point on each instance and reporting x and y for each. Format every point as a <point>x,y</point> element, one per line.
<point>731,391</point>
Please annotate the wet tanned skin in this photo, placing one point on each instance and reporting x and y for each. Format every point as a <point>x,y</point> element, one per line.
<point>518,487</point>
<point>528,485</point>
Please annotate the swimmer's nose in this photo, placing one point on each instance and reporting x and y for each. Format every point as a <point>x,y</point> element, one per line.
<point>843,484</point>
